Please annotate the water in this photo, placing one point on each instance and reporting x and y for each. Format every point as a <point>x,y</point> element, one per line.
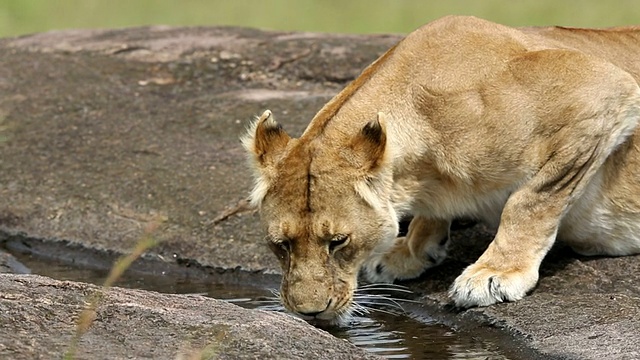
<point>386,332</point>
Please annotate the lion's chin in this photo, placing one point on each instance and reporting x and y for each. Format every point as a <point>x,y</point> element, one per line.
<point>338,321</point>
<point>329,320</point>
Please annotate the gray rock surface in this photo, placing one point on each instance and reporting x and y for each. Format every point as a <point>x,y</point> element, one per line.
<point>104,132</point>
<point>136,324</point>
<point>9,264</point>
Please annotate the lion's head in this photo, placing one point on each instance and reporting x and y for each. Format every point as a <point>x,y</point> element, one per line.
<point>325,206</point>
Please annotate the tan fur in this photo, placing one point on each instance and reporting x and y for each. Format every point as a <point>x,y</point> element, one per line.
<point>533,129</point>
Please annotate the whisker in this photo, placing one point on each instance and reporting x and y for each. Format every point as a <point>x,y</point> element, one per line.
<point>359,309</point>
<point>391,285</point>
<point>408,301</point>
<point>343,317</point>
<point>369,309</point>
<point>386,286</point>
<point>379,303</point>
<point>379,300</point>
<point>270,303</point>
<point>385,296</point>
<point>275,301</point>
<point>384,289</point>
<point>268,298</point>
<point>378,296</point>
<point>373,296</point>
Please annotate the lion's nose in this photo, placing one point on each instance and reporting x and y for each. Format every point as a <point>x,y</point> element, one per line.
<point>311,312</point>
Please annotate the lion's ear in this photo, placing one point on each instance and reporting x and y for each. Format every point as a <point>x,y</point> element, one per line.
<point>371,142</point>
<point>265,140</point>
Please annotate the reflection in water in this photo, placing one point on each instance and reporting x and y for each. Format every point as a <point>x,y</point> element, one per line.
<point>371,335</point>
<point>390,334</point>
<point>387,332</point>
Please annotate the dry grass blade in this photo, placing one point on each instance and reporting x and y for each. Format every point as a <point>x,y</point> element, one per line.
<point>88,315</point>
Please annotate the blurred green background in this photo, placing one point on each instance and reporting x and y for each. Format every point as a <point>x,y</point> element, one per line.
<point>347,16</point>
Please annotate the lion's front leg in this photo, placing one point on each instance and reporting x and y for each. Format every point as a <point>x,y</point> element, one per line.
<point>586,116</point>
<point>424,246</point>
<point>508,269</point>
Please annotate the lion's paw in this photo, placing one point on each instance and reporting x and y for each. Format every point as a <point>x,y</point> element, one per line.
<point>399,264</point>
<point>481,285</point>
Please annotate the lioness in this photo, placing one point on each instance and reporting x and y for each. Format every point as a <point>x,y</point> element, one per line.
<point>533,129</point>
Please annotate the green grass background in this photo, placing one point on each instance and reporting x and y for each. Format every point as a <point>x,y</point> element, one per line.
<point>347,16</point>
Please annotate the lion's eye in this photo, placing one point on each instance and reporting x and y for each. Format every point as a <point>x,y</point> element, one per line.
<point>338,241</point>
<point>284,245</point>
<point>278,245</point>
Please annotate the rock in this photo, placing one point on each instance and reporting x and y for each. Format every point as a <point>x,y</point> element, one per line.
<point>106,133</point>
<point>9,264</point>
<point>39,320</point>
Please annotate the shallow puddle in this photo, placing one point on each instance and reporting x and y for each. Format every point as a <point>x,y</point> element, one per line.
<point>388,334</point>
